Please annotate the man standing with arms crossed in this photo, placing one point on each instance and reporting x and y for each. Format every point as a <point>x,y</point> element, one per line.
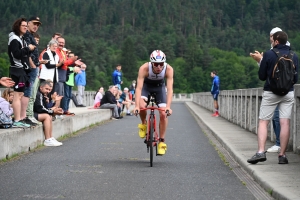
<point>151,78</point>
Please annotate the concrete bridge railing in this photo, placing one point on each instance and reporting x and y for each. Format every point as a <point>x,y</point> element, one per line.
<point>241,107</point>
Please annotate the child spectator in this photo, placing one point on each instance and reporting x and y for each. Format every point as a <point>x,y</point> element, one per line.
<point>6,101</point>
<point>98,97</point>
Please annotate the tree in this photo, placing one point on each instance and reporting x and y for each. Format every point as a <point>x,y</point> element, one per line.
<point>128,60</point>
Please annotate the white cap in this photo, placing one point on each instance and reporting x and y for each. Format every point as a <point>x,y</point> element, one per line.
<point>274,30</point>
<point>126,89</point>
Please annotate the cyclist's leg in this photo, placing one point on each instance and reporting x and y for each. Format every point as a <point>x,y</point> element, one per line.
<point>143,113</point>
<point>162,99</point>
<point>144,97</point>
<point>163,121</point>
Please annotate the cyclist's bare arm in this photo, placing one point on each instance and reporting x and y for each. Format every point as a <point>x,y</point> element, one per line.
<point>169,81</point>
<point>143,72</point>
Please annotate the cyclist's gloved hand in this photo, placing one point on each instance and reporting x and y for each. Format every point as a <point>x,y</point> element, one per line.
<point>168,111</point>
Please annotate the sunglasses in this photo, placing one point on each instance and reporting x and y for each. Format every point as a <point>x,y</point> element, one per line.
<point>36,23</point>
<point>158,64</point>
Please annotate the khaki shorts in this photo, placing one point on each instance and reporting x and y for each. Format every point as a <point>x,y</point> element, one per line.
<point>270,101</point>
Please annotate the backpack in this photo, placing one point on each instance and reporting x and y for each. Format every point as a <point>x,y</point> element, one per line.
<point>5,120</point>
<point>282,78</point>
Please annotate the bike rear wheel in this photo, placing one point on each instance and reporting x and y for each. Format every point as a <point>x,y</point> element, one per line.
<point>151,139</point>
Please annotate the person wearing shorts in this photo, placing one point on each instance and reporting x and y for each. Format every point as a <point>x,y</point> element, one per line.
<point>44,114</point>
<point>270,101</point>
<point>150,79</point>
<point>19,52</point>
<point>215,89</point>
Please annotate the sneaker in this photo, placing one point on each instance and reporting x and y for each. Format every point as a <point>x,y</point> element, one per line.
<point>161,148</point>
<point>119,117</point>
<point>258,157</point>
<point>51,143</point>
<point>68,113</point>
<point>60,143</point>
<point>59,116</point>
<point>114,118</point>
<point>35,121</point>
<point>19,124</point>
<point>129,114</point>
<point>142,130</point>
<point>274,149</point>
<point>283,160</point>
<point>28,121</point>
<point>215,115</point>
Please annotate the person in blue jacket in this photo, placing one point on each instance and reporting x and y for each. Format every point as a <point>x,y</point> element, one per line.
<point>80,81</point>
<point>215,89</point>
<point>117,76</point>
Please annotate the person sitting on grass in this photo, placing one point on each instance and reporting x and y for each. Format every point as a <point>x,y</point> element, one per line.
<point>44,114</point>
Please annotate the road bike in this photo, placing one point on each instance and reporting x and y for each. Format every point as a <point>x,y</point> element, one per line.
<point>152,137</point>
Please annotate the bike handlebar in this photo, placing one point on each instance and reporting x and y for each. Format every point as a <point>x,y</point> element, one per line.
<point>153,108</point>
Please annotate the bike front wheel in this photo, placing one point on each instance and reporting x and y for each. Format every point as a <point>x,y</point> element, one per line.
<point>151,139</point>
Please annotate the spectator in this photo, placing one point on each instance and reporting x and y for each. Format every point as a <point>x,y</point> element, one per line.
<point>19,53</point>
<point>62,71</point>
<point>49,70</point>
<point>132,89</point>
<point>118,100</point>
<point>44,114</point>
<point>7,82</point>
<point>275,121</point>
<point>98,97</point>
<point>68,85</point>
<point>36,37</point>
<point>270,100</point>
<point>54,37</point>
<point>109,102</point>
<point>215,89</point>
<point>125,100</point>
<point>117,76</point>
<point>30,93</point>
<point>80,81</point>
<point>6,100</point>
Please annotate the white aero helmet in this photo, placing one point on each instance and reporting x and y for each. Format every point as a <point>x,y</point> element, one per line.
<point>157,56</point>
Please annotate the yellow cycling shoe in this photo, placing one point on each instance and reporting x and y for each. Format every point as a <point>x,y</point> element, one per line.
<point>161,148</point>
<point>142,130</point>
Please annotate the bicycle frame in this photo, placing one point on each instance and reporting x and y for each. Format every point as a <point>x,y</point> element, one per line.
<point>152,136</point>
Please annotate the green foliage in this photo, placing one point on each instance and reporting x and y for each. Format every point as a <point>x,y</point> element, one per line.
<point>197,36</point>
<point>4,64</point>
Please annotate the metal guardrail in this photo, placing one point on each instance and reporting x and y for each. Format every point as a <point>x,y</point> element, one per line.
<point>241,107</point>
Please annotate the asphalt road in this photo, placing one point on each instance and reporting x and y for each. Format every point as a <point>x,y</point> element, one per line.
<point>110,162</point>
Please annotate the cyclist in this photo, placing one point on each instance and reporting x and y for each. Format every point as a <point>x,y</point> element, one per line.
<point>151,78</point>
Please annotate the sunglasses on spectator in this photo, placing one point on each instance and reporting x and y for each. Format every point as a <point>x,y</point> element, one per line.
<point>158,64</point>
<point>36,23</point>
